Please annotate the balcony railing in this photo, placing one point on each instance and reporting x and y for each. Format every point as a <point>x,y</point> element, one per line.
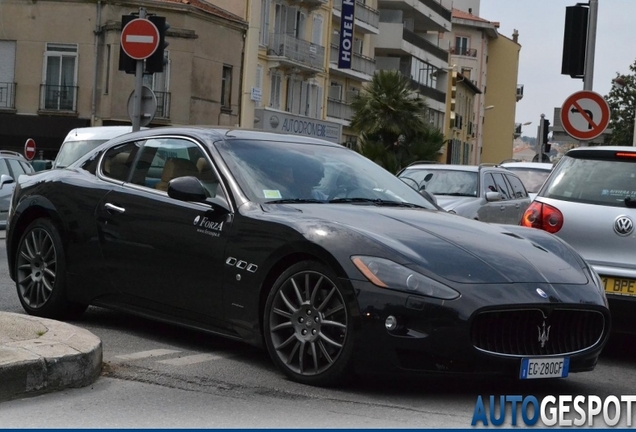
<point>339,109</point>
<point>438,8</point>
<point>359,63</point>
<point>163,105</point>
<point>519,92</point>
<point>364,13</point>
<point>7,95</point>
<point>468,52</point>
<point>298,50</point>
<point>422,43</point>
<point>58,98</point>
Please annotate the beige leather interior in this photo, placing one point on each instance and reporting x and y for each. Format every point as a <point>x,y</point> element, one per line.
<point>174,168</point>
<point>116,167</point>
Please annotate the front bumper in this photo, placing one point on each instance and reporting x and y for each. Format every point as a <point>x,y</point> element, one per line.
<point>434,336</point>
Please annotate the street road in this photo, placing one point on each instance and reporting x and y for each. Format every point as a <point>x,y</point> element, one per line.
<point>157,376</point>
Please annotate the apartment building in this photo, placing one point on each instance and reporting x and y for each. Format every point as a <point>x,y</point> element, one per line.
<point>59,67</point>
<point>460,127</point>
<point>410,40</point>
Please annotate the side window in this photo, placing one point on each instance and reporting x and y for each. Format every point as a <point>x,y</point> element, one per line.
<point>517,187</point>
<point>489,183</point>
<point>27,168</point>
<point>502,187</point>
<point>4,169</point>
<point>118,160</point>
<point>15,166</point>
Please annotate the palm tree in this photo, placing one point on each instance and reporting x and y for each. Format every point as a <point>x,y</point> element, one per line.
<point>390,121</point>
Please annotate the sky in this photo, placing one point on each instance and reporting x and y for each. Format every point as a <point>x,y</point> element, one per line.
<point>541,24</point>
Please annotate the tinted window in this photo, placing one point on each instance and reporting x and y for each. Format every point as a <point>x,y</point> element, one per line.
<point>489,183</point>
<point>118,160</point>
<point>26,167</point>
<point>502,187</point>
<point>517,187</point>
<point>4,169</point>
<point>15,166</point>
<point>604,182</point>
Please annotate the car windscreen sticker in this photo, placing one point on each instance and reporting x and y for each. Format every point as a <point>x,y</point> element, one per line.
<point>271,193</point>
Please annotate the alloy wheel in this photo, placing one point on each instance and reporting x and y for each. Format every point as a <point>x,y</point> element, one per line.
<point>36,268</point>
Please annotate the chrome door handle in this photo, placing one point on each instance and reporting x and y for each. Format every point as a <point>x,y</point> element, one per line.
<point>113,207</point>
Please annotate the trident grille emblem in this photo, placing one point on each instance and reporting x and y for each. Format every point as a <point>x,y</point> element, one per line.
<point>544,334</point>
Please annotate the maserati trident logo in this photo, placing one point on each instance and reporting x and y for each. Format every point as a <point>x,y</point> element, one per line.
<point>196,220</point>
<point>623,226</point>
<point>544,334</point>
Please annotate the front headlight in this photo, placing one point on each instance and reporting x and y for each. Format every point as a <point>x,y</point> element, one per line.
<point>388,274</point>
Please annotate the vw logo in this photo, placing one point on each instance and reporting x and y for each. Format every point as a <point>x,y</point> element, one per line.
<point>623,226</point>
<point>542,293</point>
<point>197,219</point>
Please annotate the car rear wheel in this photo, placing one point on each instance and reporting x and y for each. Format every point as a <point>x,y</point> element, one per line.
<point>40,273</point>
<point>307,323</point>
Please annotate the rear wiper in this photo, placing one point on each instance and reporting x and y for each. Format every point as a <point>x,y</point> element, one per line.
<point>376,201</point>
<point>294,201</point>
<point>630,202</point>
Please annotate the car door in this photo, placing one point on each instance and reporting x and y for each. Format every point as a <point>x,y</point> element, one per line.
<point>519,197</point>
<point>163,252</point>
<point>507,211</point>
<point>491,211</point>
<point>6,190</point>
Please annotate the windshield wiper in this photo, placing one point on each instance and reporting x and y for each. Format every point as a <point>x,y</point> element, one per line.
<point>294,201</point>
<point>455,194</point>
<point>376,201</point>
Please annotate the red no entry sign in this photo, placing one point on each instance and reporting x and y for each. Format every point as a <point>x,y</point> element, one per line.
<point>139,39</point>
<point>29,149</point>
<point>585,115</point>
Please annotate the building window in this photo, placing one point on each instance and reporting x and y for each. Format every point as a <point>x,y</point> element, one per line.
<point>159,82</point>
<point>60,77</point>
<point>461,45</point>
<point>226,88</point>
<point>275,89</point>
<point>7,74</point>
<point>263,38</point>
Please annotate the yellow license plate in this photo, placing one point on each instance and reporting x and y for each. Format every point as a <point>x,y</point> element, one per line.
<point>619,286</point>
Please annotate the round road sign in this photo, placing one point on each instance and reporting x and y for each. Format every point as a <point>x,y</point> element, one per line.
<point>139,39</point>
<point>585,115</point>
<point>29,149</point>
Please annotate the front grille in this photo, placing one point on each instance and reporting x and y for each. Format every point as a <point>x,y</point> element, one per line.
<point>533,332</point>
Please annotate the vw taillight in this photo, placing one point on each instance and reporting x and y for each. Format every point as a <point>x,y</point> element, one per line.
<point>542,216</point>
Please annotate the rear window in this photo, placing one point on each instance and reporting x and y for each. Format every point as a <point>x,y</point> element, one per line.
<point>603,182</point>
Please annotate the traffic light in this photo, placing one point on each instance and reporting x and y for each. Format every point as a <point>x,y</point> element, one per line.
<point>155,62</point>
<point>544,138</point>
<point>127,64</point>
<point>575,41</point>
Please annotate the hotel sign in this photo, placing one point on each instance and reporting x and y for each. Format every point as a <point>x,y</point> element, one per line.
<point>346,33</point>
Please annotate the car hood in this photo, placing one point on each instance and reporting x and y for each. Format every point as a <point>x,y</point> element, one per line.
<point>453,247</point>
<point>452,202</point>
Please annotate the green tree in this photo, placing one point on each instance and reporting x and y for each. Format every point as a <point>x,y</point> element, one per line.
<point>389,118</point>
<point>622,103</point>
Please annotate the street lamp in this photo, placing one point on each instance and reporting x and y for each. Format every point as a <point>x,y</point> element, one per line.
<point>621,83</point>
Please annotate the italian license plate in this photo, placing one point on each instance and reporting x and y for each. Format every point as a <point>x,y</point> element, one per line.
<point>555,367</point>
<point>619,286</point>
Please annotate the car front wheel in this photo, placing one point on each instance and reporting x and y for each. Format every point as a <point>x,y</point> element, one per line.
<point>40,273</point>
<point>307,323</point>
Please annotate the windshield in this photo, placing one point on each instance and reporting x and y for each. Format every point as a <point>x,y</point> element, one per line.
<point>531,178</point>
<point>444,182</point>
<point>603,182</point>
<point>73,150</point>
<point>271,171</point>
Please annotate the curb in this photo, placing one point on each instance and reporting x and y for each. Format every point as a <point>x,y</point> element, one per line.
<point>39,355</point>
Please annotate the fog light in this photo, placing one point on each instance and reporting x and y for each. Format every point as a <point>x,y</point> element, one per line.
<point>390,323</point>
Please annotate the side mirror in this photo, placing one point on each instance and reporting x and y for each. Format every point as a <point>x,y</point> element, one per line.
<point>5,179</point>
<point>493,196</point>
<point>187,188</point>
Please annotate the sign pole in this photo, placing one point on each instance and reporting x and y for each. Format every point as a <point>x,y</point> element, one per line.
<point>588,79</point>
<point>139,82</point>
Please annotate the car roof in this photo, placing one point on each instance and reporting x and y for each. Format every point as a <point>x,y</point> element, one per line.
<point>12,154</point>
<point>598,150</point>
<point>535,165</point>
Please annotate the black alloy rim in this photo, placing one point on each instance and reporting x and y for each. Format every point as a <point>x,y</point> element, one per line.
<point>37,266</point>
<point>308,323</point>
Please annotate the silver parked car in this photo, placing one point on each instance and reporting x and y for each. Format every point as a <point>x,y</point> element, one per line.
<point>532,174</point>
<point>589,200</point>
<point>12,165</point>
<point>486,192</point>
